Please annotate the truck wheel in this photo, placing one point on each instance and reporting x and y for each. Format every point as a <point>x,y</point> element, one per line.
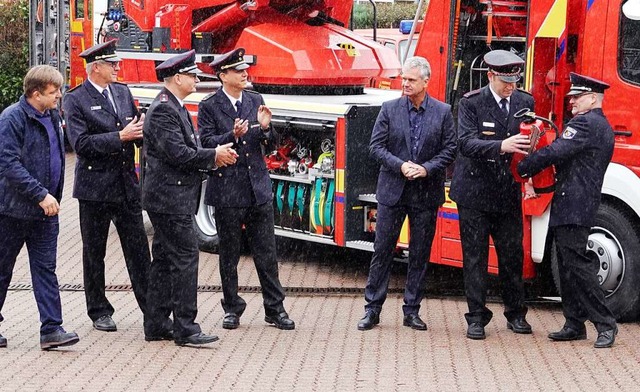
<point>205,225</point>
<point>613,242</point>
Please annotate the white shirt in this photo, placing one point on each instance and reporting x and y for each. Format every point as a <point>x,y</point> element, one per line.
<point>100,90</point>
<point>498,98</point>
<point>232,99</point>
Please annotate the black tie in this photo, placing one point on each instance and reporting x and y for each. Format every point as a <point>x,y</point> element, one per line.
<point>105,93</point>
<point>503,106</point>
<point>239,109</point>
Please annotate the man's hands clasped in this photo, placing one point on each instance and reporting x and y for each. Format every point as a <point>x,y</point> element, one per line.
<point>412,170</point>
<point>225,155</point>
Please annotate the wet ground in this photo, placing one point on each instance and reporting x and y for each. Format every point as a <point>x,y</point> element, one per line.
<point>324,353</point>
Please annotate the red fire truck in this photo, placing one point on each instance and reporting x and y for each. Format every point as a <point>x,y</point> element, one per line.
<point>313,73</point>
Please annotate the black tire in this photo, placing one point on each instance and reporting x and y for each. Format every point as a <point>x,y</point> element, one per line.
<point>613,241</point>
<point>205,225</point>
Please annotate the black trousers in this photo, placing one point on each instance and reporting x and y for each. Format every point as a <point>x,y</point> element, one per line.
<point>95,218</point>
<point>582,297</point>
<point>422,227</point>
<point>505,228</point>
<point>258,223</point>
<point>173,277</point>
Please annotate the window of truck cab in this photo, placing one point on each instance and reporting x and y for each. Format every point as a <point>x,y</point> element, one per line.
<point>629,50</point>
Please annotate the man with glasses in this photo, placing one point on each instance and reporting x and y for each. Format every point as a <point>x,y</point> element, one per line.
<point>488,197</point>
<point>174,165</point>
<point>241,194</point>
<point>104,127</point>
<point>581,157</point>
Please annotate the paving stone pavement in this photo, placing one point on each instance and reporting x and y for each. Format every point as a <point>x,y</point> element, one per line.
<point>324,353</point>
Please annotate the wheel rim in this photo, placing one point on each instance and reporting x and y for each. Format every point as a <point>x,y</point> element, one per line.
<point>206,221</point>
<point>604,247</point>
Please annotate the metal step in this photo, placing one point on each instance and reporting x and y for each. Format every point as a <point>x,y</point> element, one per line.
<point>368,197</point>
<point>362,245</point>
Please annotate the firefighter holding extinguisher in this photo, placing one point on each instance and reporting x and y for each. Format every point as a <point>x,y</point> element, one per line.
<point>488,197</point>
<point>581,156</point>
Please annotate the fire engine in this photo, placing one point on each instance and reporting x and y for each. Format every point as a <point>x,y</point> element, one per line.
<point>313,73</point>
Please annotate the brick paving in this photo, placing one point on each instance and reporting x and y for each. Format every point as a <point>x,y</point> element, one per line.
<point>324,353</point>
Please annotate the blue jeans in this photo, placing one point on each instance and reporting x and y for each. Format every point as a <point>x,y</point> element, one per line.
<point>41,238</point>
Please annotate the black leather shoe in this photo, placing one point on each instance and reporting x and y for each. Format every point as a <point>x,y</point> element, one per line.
<point>230,321</point>
<point>105,323</point>
<point>281,321</point>
<point>606,338</point>
<point>566,334</point>
<point>475,331</point>
<point>3,341</point>
<point>195,339</point>
<point>519,325</point>
<point>166,335</point>
<point>59,338</point>
<point>368,321</point>
<point>414,321</point>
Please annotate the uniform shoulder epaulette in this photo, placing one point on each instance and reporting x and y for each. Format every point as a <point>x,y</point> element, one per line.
<point>73,88</point>
<point>209,96</point>
<point>472,93</point>
<point>525,91</point>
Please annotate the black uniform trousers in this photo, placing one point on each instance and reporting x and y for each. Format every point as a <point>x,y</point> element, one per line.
<point>173,277</point>
<point>95,217</point>
<point>505,228</point>
<point>582,297</point>
<point>422,226</point>
<point>258,223</point>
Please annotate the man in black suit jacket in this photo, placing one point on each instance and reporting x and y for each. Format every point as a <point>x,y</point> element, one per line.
<point>241,194</point>
<point>414,141</point>
<point>488,197</point>
<point>174,166</point>
<point>103,125</point>
<point>581,157</point>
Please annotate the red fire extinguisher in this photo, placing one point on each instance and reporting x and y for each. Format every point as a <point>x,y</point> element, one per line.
<point>538,129</point>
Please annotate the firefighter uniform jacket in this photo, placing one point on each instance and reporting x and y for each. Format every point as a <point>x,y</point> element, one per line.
<point>105,169</point>
<point>247,182</point>
<point>581,156</point>
<point>482,179</point>
<point>174,159</point>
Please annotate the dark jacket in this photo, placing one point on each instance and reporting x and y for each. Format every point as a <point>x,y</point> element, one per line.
<point>174,159</point>
<point>482,178</point>
<point>391,146</point>
<point>581,157</point>
<point>25,154</point>
<point>105,167</point>
<point>234,185</point>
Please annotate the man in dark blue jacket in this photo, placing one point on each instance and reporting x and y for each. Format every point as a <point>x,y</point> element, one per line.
<point>488,197</point>
<point>414,141</point>
<point>241,193</point>
<point>103,126</point>
<point>581,157</point>
<point>174,166</point>
<point>31,181</point>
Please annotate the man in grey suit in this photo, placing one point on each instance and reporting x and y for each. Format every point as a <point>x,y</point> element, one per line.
<point>414,141</point>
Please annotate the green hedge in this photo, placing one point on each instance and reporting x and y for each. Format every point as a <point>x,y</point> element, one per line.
<point>14,50</point>
<point>389,15</point>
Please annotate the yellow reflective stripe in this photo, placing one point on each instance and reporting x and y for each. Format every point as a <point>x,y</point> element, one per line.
<point>555,22</point>
<point>340,180</point>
